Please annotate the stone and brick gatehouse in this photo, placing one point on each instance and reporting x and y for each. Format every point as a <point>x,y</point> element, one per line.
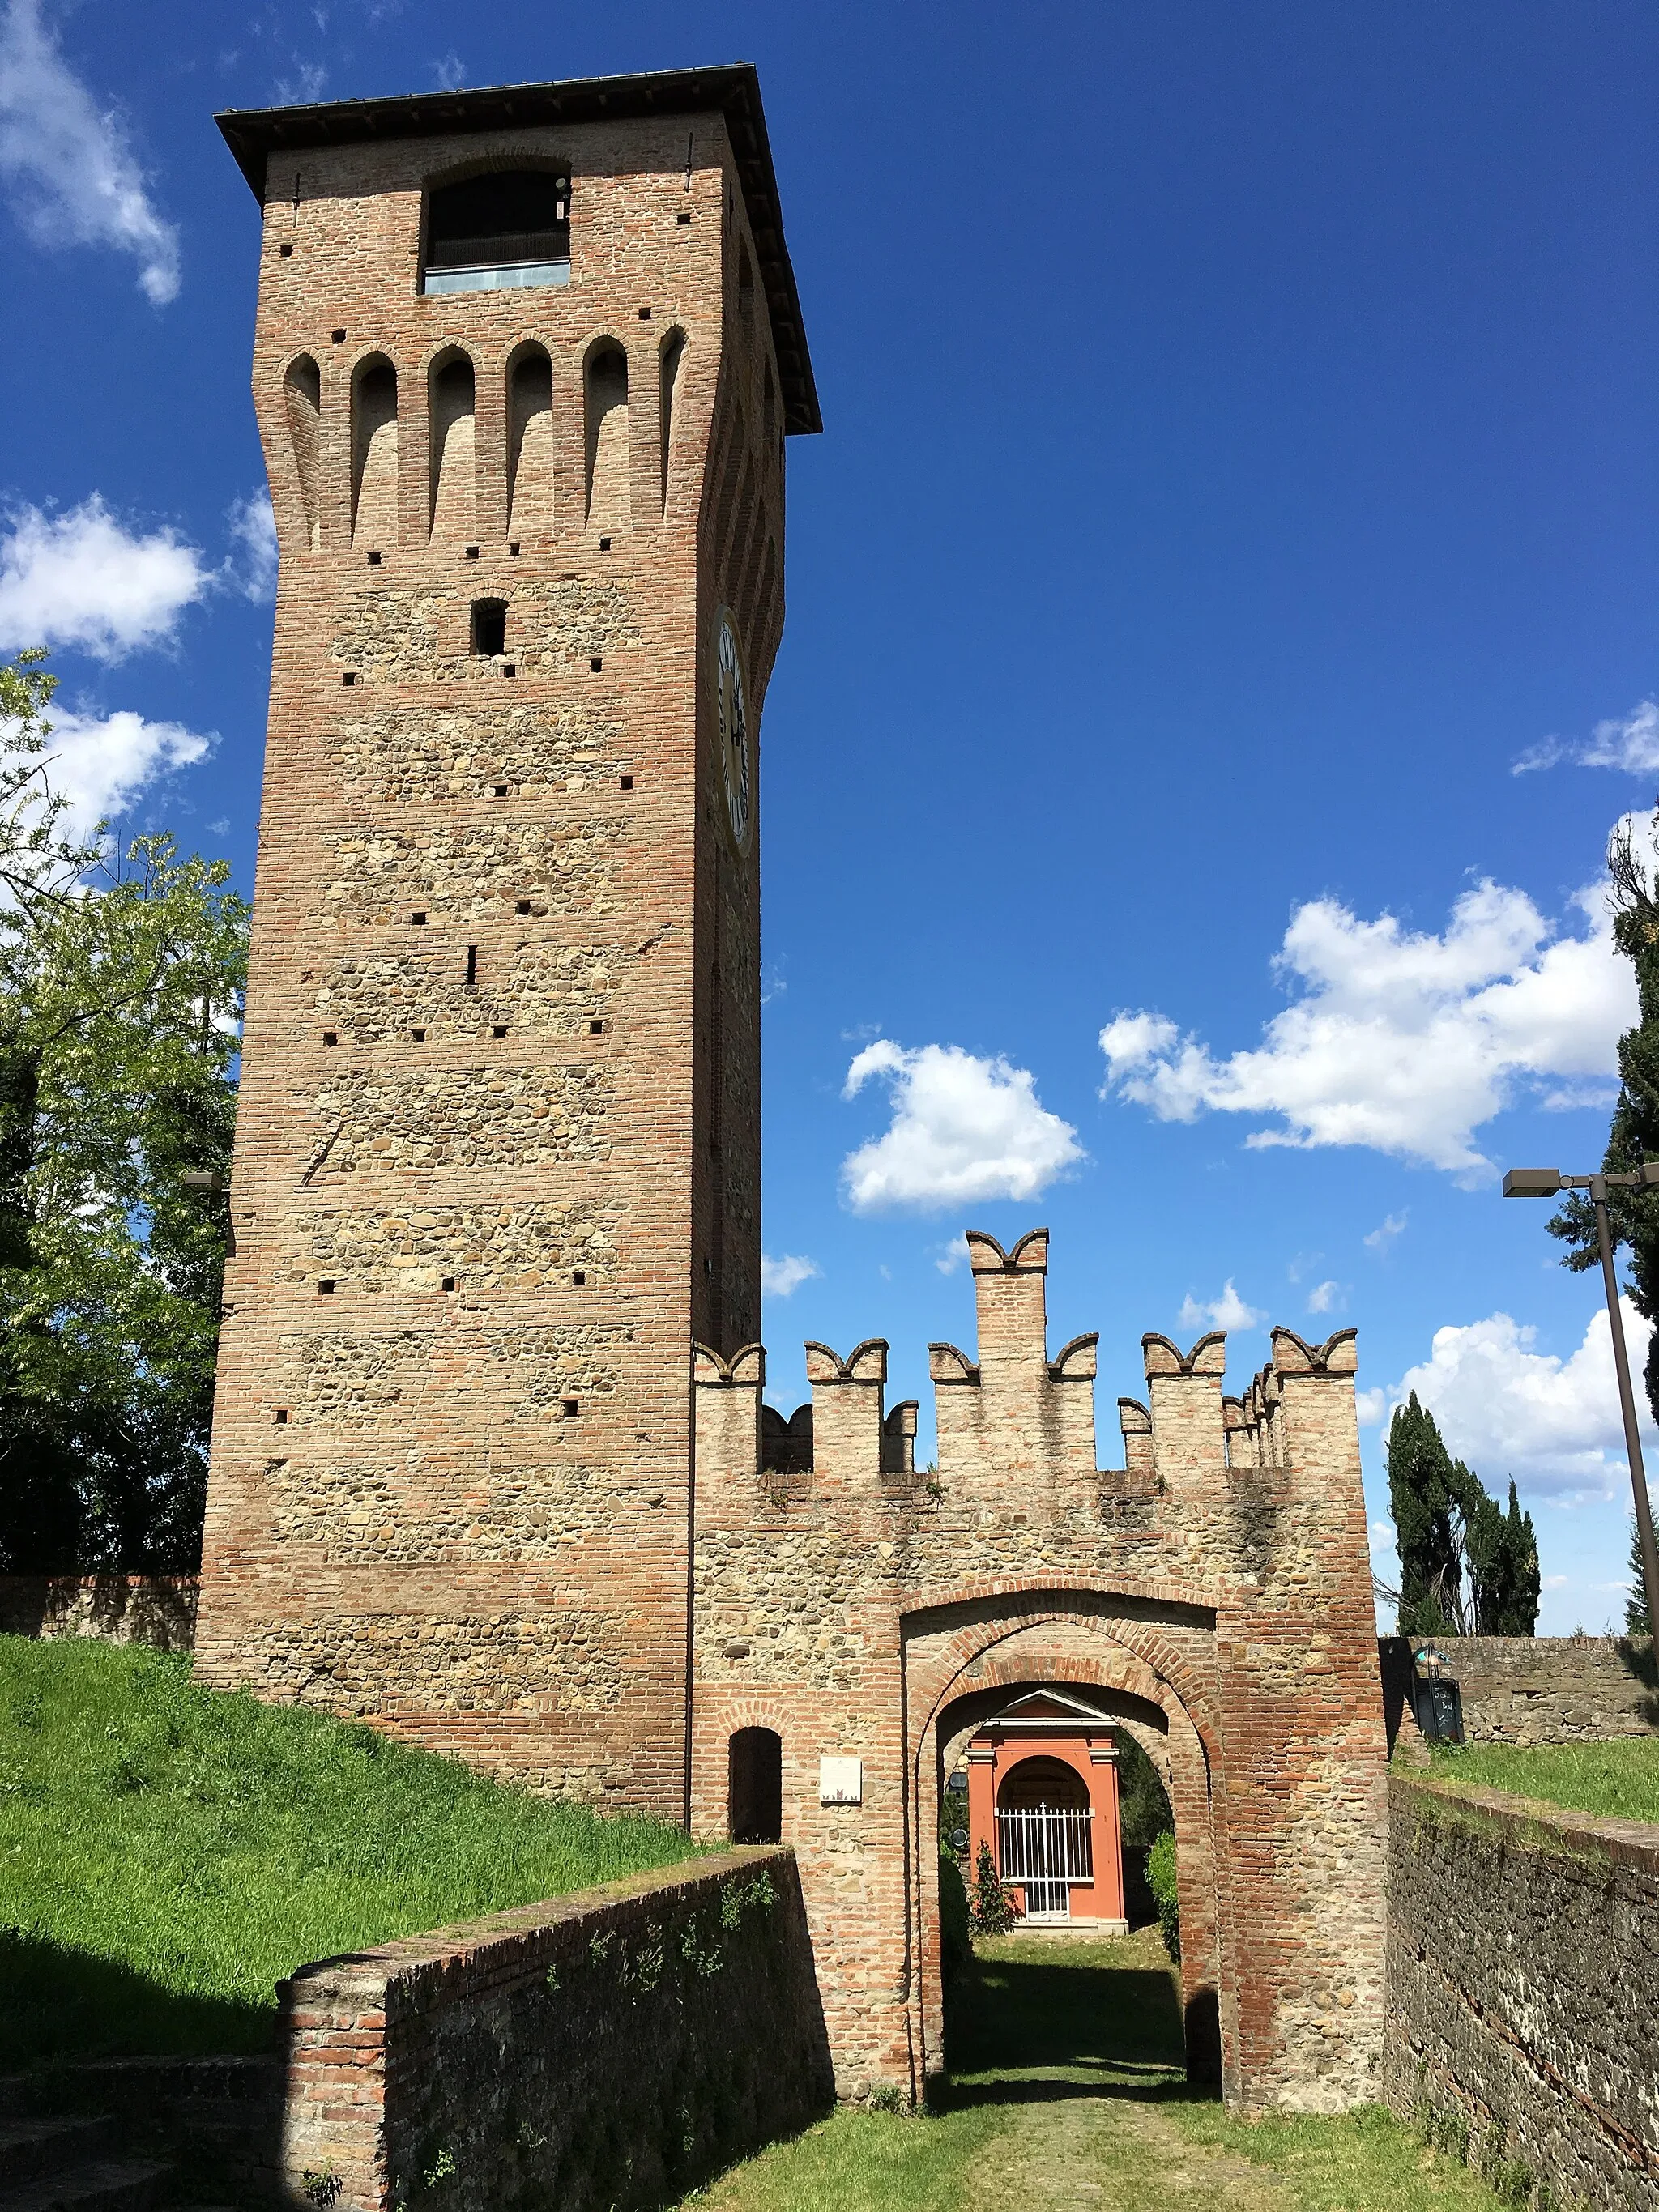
<point>491,1463</point>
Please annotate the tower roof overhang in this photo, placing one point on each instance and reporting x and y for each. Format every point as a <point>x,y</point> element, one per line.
<point>253,135</point>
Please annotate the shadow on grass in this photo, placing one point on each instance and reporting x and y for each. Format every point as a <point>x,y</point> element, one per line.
<point>57,2004</point>
<point>1027,2031</point>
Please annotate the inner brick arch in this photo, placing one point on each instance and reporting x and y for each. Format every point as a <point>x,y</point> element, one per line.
<point>987,1662</point>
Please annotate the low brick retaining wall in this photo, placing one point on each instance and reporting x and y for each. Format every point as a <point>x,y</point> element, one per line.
<point>156,1609</point>
<point>1522,1943</point>
<point>609,2049</point>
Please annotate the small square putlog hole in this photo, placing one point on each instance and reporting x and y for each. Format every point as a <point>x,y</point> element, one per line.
<point>571,1407</point>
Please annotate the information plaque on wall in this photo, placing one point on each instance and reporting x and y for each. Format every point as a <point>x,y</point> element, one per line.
<point>841,1781</point>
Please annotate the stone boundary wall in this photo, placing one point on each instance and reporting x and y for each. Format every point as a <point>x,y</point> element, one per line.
<point>1519,1988</point>
<point>156,1609</point>
<point>605,2049</point>
<point>1536,1689</point>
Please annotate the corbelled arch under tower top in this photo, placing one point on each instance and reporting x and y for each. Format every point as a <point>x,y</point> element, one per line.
<point>499,1153</point>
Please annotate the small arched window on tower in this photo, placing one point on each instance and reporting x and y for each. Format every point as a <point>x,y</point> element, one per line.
<point>746,287</point>
<point>673,353</point>
<point>607,436</point>
<point>497,232</point>
<point>451,400</point>
<point>530,458</point>
<point>754,1786</point>
<point>302,398</point>
<point>375,453</point>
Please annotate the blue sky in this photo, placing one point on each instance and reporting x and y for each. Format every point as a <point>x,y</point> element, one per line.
<point>1239,455</point>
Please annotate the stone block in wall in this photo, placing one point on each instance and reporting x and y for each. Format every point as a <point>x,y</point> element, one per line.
<point>383,876</point>
<point>553,989</point>
<point>424,635</point>
<point>407,754</point>
<point>482,1248</point>
<point>615,2047</point>
<point>463,1117</point>
<point>1520,1986</point>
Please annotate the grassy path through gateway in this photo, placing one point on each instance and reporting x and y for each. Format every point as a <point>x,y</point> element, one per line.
<point>1067,2092</point>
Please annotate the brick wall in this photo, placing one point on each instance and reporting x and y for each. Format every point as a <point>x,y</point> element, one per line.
<point>612,2048</point>
<point>1522,1943</point>
<point>1537,1689</point>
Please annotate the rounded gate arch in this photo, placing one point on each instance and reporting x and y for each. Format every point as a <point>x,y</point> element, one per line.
<point>1132,1656</point>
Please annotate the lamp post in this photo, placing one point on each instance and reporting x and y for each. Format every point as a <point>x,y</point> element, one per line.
<point>1547,1182</point>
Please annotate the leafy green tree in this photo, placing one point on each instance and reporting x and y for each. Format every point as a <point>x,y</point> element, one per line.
<point>121,979</point>
<point>1166,1890</point>
<point>1450,1531</point>
<point>1142,1802</point>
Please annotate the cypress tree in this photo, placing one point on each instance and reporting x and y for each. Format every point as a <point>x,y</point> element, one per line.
<point>1448,1528</point>
<point>1422,1497</point>
<point>1637,1619</point>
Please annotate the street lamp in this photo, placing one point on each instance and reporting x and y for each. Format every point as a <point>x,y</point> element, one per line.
<point>1546,1182</point>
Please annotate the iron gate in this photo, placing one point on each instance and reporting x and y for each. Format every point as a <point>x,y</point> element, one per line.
<point>1045,1850</point>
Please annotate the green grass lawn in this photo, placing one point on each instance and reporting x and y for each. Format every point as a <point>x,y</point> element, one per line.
<point>1619,1778</point>
<point>167,1853</point>
<point>1068,2089</point>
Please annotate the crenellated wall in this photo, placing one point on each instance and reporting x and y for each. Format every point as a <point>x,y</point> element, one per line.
<point>1215,1591</point>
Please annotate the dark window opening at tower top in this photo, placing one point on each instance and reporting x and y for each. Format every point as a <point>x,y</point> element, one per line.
<point>508,228</point>
<point>489,626</point>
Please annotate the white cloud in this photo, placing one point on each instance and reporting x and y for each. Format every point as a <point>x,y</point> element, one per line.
<point>950,1257</point>
<point>449,70</point>
<point>77,179</point>
<point>1383,1538</point>
<point>778,1277</point>
<point>83,578</point>
<point>964,1130</point>
<point>251,568</point>
<point>1325,1297</point>
<point>1380,1239</point>
<point>1629,742</point>
<point>1401,1040</point>
<point>1370,1406</point>
<point>1228,1312</point>
<point>1508,1410</point>
<point>101,763</point>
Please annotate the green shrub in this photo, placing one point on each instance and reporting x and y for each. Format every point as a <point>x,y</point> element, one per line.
<point>1160,1874</point>
<point>992,1910</point>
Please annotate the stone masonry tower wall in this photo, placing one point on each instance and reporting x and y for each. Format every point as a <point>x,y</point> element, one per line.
<point>498,1160</point>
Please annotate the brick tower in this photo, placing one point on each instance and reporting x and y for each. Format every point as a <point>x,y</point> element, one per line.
<point>525,363</point>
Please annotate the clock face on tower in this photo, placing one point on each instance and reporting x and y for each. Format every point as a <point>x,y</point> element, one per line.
<point>732,713</point>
